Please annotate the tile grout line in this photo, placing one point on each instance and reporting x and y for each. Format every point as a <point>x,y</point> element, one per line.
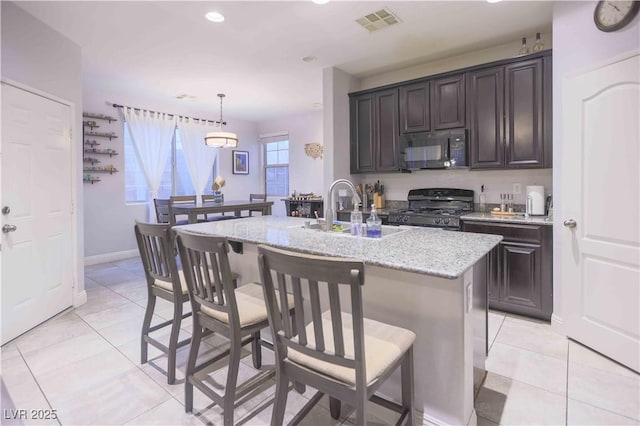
<point>44,395</point>
<point>139,368</point>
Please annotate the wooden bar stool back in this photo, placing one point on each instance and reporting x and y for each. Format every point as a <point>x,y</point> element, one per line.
<point>155,244</point>
<point>343,355</point>
<point>217,305</point>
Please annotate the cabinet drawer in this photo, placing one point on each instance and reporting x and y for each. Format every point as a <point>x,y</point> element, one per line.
<point>510,231</point>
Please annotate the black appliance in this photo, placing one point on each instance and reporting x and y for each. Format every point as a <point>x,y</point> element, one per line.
<point>434,150</point>
<point>434,207</point>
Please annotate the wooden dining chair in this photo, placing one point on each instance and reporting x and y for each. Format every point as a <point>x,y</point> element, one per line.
<point>343,355</point>
<point>257,197</point>
<point>235,313</point>
<point>165,281</point>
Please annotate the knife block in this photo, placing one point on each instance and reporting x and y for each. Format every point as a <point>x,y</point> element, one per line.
<point>378,200</point>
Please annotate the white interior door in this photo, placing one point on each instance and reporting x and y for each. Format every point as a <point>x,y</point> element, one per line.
<point>36,231</point>
<point>601,190</point>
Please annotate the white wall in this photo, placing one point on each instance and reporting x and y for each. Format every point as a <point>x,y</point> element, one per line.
<point>39,57</point>
<point>305,173</point>
<point>578,46</point>
<point>336,85</point>
<point>108,219</point>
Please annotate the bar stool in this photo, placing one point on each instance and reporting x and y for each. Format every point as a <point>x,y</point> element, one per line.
<point>236,313</point>
<point>346,356</point>
<point>165,281</point>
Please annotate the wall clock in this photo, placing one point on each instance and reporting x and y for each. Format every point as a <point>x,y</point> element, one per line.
<point>612,15</point>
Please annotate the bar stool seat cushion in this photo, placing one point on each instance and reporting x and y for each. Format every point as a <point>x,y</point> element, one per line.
<point>167,285</point>
<point>183,282</point>
<point>251,306</point>
<point>384,344</point>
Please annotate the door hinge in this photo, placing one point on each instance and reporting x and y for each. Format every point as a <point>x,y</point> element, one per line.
<point>72,207</point>
<point>71,134</point>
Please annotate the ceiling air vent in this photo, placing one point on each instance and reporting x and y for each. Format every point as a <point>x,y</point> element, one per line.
<point>377,20</point>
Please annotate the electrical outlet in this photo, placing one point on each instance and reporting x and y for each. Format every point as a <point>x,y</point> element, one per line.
<point>517,188</point>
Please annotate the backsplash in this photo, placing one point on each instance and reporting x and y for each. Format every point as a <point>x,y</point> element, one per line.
<point>397,185</point>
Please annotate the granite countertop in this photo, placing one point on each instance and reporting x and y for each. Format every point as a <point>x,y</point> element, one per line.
<point>426,251</point>
<point>519,218</point>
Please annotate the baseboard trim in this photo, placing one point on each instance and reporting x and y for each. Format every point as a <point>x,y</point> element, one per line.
<point>110,257</point>
<point>79,298</point>
<point>557,324</point>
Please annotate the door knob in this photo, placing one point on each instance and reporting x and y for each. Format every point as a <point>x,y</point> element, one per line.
<point>6,210</point>
<point>9,228</point>
<point>570,223</point>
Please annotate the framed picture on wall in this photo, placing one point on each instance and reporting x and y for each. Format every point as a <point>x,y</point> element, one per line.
<point>240,162</point>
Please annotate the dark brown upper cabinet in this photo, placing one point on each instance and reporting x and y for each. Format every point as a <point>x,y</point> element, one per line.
<point>362,139</point>
<point>509,109</point>
<point>374,132</point>
<point>448,102</point>
<point>485,96</point>
<point>415,108</point>
<point>523,93</point>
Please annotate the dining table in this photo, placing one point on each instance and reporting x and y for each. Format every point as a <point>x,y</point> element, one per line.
<point>192,210</point>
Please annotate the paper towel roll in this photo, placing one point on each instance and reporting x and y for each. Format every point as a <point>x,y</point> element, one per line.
<point>536,194</point>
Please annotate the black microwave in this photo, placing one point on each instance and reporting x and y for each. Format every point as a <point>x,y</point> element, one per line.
<point>434,150</point>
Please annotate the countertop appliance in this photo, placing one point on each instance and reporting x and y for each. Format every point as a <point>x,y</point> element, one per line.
<point>434,150</point>
<point>535,203</point>
<point>434,207</point>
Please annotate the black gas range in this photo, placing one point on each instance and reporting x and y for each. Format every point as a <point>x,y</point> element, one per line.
<point>434,207</point>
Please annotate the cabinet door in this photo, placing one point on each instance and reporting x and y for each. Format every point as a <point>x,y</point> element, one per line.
<point>447,102</point>
<point>362,133</point>
<point>523,107</point>
<point>485,103</point>
<point>415,111</point>
<point>521,276</point>
<point>386,131</point>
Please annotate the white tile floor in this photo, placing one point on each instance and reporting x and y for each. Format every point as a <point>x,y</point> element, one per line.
<point>85,364</point>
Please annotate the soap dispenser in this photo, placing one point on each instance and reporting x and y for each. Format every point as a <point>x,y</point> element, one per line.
<point>374,224</point>
<point>356,220</point>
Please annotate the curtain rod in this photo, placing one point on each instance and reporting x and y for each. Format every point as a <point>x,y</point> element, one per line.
<point>224,123</point>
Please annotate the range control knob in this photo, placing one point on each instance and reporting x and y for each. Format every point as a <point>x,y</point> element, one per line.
<point>446,221</point>
<point>437,220</point>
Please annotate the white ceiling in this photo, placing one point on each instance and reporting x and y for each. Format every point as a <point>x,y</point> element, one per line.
<point>156,50</point>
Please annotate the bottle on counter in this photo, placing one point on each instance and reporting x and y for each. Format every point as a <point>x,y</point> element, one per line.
<point>523,49</point>
<point>356,220</point>
<point>482,200</point>
<point>374,224</point>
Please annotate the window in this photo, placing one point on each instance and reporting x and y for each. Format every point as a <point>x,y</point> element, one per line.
<point>175,178</point>
<point>276,169</point>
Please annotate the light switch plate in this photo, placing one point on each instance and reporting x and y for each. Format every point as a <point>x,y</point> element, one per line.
<point>517,188</point>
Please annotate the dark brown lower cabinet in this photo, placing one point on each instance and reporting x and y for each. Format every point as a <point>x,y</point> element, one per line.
<point>520,268</point>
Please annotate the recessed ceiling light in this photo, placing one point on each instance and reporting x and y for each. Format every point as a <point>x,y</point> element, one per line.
<point>320,1</point>
<point>214,17</point>
<point>316,105</point>
<point>309,58</point>
<point>494,1</point>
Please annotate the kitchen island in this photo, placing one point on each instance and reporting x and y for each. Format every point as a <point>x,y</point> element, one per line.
<point>430,281</point>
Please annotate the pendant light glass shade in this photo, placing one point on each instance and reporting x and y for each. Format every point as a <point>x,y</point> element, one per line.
<point>221,138</point>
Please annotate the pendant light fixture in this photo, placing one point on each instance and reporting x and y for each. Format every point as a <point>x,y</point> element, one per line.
<point>220,138</point>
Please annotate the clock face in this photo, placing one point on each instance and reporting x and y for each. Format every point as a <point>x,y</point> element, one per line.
<point>611,15</point>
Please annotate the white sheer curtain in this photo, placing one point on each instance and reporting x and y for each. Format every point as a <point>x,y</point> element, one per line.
<point>197,154</point>
<point>151,134</point>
